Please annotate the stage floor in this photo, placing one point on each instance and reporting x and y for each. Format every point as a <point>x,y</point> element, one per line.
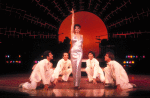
<point>9,88</point>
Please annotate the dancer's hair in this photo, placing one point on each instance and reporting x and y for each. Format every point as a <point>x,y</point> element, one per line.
<point>92,53</point>
<point>110,55</point>
<point>77,25</point>
<point>46,53</point>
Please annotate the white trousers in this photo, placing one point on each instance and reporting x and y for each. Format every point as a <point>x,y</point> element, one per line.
<point>33,84</point>
<point>90,73</point>
<point>110,78</point>
<point>65,74</point>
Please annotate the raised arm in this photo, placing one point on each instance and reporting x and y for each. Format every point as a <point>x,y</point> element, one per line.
<point>72,24</point>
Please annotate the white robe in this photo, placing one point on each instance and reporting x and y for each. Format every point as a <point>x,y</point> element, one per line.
<point>63,68</point>
<point>93,70</point>
<point>114,71</point>
<point>42,71</point>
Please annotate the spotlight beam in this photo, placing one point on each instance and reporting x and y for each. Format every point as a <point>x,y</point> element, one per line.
<point>144,13</point>
<point>16,33</point>
<point>22,14</point>
<point>59,8</point>
<point>115,11</point>
<point>47,9</point>
<point>104,8</point>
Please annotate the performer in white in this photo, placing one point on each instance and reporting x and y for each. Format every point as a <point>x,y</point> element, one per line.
<point>115,74</point>
<point>42,71</point>
<point>93,69</point>
<point>63,68</point>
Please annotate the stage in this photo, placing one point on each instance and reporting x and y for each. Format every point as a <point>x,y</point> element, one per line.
<point>9,88</point>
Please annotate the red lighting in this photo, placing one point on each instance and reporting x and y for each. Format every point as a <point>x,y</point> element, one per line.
<point>19,56</point>
<point>35,61</point>
<point>19,61</point>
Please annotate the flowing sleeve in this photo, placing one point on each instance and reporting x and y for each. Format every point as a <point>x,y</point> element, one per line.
<point>87,64</point>
<point>96,68</point>
<point>57,69</point>
<point>42,72</point>
<point>115,68</point>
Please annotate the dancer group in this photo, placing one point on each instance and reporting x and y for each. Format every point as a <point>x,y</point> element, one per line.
<point>43,72</point>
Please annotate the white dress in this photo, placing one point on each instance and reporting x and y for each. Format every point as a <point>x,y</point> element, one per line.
<point>76,59</point>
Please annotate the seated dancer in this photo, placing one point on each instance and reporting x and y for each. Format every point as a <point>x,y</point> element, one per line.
<point>115,75</point>
<point>93,69</point>
<point>63,68</point>
<point>42,71</point>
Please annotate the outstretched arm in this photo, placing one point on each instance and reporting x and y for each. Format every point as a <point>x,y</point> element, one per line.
<point>72,25</point>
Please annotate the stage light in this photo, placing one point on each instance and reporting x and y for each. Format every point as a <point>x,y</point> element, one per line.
<point>41,55</point>
<point>129,65</point>
<point>126,56</point>
<point>129,62</point>
<point>124,62</point>
<point>124,65</point>
<point>7,61</point>
<point>35,61</point>
<point>136,56</point>
<point>13,61</point>
<point>10,61</point>
<point>6,56</point>
<point>143,56</point>
<point>19,56</point>
<point>19,61</point>
<point>133,56</point>
<point>132,62</point>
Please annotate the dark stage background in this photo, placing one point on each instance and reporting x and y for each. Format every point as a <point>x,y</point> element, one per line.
<point>29,27</point>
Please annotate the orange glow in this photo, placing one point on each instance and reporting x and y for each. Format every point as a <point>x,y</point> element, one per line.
<point>132,62</point>
<point>124,62</point>
<point>91,26</point>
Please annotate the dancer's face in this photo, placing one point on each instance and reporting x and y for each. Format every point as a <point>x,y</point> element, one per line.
<point>90,55</point>
<point>77,29</point>
<point>107,59</point>
<point>65,57</point>
<point>50,57</point>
